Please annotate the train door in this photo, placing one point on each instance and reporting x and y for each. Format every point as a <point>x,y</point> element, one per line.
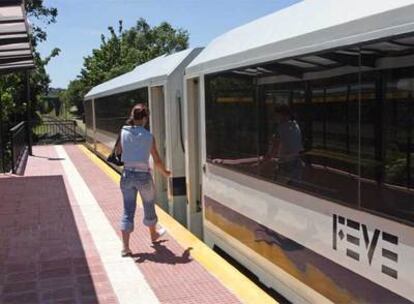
<point>193,157</point>
<point>157,125</point>
<point>90,136</point>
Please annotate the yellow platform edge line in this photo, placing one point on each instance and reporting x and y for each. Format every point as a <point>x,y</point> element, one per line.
<point>241,286</point>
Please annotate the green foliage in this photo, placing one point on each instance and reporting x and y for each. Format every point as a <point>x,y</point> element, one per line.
<point>46,15</point>
<point>121,51</point>
<point>13,85</point>
<point>397,169</point>
<point>73,96</point>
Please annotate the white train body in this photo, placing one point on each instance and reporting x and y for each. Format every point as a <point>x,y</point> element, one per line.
<point>344,231</point>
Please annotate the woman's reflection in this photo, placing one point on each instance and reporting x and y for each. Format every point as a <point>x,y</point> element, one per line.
<point>286,146</point>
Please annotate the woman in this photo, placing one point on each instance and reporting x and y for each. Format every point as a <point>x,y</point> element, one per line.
<point>136,144</point>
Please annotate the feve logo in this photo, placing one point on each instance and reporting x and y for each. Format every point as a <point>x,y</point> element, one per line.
<point>360,244</point>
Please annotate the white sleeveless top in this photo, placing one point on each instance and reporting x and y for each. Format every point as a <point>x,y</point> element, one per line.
<point>136,142</point>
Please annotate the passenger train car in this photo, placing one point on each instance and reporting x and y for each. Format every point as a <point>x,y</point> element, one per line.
<point>159,84</point>
<point>343,229</point>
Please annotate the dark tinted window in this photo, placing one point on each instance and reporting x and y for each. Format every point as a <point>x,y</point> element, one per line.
<point>387,119</point>
<point>112,111</point>
<point>231,123</point>
<point>338,124</point>
<point>322,115</point>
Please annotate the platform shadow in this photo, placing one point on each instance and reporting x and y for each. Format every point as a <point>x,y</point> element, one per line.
<point>163,255</point>
<point>48,158</point>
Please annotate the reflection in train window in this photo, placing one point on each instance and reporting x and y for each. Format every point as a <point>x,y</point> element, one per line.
<point>231,123</point>
<point>340,128</point>
<point>325,112</point>
<point>112,111</point>
<point>388,186</point>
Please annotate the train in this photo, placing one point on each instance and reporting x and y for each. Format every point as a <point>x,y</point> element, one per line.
<point>159,84</point>
<point>341,228</point>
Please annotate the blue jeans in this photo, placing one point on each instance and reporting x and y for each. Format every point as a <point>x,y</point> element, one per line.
<point>131,183</point>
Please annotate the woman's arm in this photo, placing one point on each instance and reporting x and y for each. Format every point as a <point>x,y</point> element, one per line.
<point>273,149</point>
<point>118,147</point>
<point>158,161</point>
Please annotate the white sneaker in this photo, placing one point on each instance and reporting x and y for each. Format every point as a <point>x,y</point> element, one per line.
<point>160,233</point>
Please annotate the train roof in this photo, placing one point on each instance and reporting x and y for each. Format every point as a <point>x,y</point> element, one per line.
<point>304,28</point>
<point>153,71</point>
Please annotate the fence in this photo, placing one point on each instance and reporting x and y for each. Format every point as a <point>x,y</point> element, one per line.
<point>19,144</point>
<point>15,142</point>
<point>55,132</point>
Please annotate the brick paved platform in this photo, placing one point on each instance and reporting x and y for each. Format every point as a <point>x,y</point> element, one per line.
<point>59,241</point>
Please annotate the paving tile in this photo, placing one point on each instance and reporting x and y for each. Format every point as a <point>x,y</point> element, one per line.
<point>21,277</point>
<point>27,297</point>
<point>19,267</point>
<point>59,294</point>
<point>55,273</point>
<point>19,287</point>
<point>55,283</point>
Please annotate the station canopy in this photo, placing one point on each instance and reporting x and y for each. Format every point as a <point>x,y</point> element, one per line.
<point>15,46</point>
<point>306,28</point>
<point>153,72</point>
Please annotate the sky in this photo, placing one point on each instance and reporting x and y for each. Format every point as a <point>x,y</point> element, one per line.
<point>80,24</point>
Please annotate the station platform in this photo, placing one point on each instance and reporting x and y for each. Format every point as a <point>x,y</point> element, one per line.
<point>60,242</point>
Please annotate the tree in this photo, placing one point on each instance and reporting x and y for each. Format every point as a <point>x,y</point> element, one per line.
<point>12,86</point>
<point>123,50</point>
<point>74,94</point>
<point>37,11</point>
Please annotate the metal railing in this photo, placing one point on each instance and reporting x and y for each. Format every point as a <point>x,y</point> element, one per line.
<point>16,142</point>
<point>19,145</point>
<point>4,148</point>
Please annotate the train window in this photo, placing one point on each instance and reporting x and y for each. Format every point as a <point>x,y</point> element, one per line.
<point>387,127</point>
<point>338,124</point>
<point>112,111</point>
<point>231,122</point>
<point>313,140</point>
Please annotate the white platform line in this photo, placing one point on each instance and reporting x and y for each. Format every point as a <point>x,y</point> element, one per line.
<point>126,279</point>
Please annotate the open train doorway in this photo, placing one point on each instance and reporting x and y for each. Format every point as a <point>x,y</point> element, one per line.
<point>193,157</point>
<point>157,123</point>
